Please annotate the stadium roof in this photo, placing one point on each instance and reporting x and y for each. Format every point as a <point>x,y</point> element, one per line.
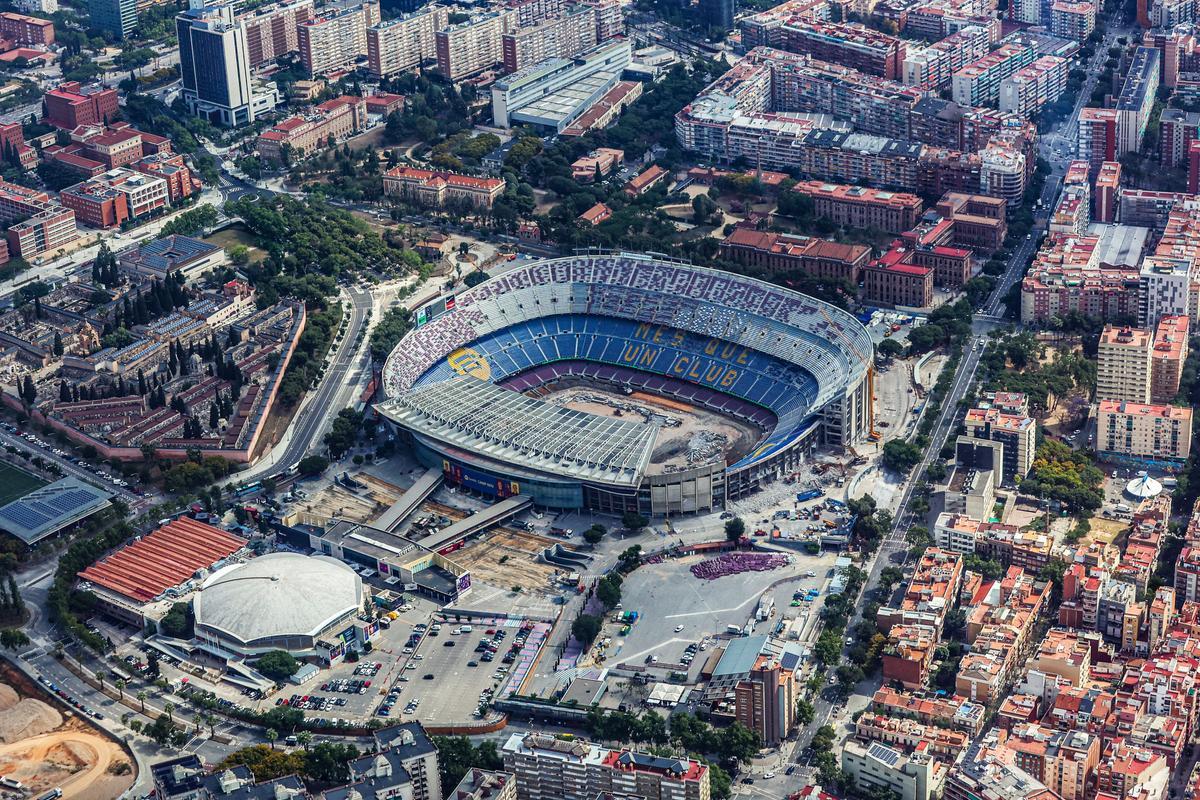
<point>51,508</point>
<point>277,595</point>
<point>510,427</point>
<point>167,557</point>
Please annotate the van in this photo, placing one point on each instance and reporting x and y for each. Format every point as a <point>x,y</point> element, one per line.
<point>464,628</point>
<point>291,741</point>
<point>733,629</point>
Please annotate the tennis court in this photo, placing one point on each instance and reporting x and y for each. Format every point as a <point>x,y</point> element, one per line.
<point>16,483</point>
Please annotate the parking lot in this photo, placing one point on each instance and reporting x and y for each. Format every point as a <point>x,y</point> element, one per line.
<point>678,609</point>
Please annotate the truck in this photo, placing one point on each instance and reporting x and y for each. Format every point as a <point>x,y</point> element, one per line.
<point>736,630</point>
<point>811,494</point>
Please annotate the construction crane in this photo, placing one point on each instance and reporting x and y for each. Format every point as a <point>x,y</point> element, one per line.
<point>869,363</point>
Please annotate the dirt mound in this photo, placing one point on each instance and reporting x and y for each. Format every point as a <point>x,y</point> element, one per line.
<point>8,697</point>
<point>27,718</point>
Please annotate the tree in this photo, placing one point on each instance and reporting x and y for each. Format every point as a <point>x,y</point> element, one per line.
<point>594,534</point>
<point>141,696</point>
<point>804,711</point>
<point>901,456</point>
<point>608,590</point>
<point>735,529</point>
<point>58,344</point>
<point>271,735</point>
<point>169,710</point>
<point>304,738</point>
<point>120,684</point>
<point>633,521</point>
<point>312,465</point>
<point>890,348</point>
<point>278,665</point>
<point>586,628</point>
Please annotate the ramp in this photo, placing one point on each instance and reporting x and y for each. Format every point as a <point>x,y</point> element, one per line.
<point>492,515</point>
<point>408,502</point>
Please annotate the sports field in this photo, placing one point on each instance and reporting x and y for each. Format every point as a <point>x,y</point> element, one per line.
<point>16,482</point>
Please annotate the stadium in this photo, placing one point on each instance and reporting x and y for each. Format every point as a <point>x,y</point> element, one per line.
<point>620,382</point>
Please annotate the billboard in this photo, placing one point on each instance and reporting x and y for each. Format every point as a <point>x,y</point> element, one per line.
<point>431,311</point>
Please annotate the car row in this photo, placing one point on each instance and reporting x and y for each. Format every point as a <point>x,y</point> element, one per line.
<point>69,699</point>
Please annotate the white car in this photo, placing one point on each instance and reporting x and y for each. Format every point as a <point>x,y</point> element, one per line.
<point>768,775</point>
<point>678,628</point>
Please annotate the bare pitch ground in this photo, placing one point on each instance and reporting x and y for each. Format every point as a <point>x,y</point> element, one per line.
<point>508,558</point>
<point>688,436</point>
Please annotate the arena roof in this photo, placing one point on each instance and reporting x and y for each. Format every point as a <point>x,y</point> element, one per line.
<point>51,508</point>
<point>278,595</point>
<point>510,427</point>
<point>167,557</point>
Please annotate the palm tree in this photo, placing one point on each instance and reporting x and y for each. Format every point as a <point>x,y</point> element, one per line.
<point>100,677</point>
<point>169,710</point>
<point>141,696</point>
<point>120,684</point>
<point>272,735</point>
<point>304,738</point>
<point>211,721</point>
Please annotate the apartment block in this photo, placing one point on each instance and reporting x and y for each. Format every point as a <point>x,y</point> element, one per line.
<point>1067,275</point>
<point>1016,430</point>
<point>1168,357</point>
<point>26,30</point>
<point>547,768</point>
<point>71,105</point>
<point>1097,136</point>
<point>977,222</point>
<point>1170,276</point>
<point>437,189</point>
<point>765,701</point>
<point>1177,130</point>
<point>785,253</point>
<point>170,167</point>
<point>1027,90</point>
<point>1072,20</point>
<point>563,37</point>
<point>986,772</point>
<point>35,223</point>
<point>862,207</point>
<point>1123,364</point>
<point>890,281</point>
<point>471,47</point>
<point>1065,761</point>
<point>908,655</point>
<point>978,83</point>
<point>908,735</point>
<point>336,39</point>
<point>610,18</point>
<point>931,592</point>
<point>1136,100</point>
<point>271,30</point>
<point>1106,191</point>
<point>405,43</point>
<point>108,200</point>
<point>306,134</point>
<point>855,46</point>
<point>1144,432</point>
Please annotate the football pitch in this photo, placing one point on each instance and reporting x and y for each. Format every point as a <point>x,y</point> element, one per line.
<point>16,482</point>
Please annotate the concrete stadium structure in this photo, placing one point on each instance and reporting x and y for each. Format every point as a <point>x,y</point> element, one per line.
<point>458,386</point>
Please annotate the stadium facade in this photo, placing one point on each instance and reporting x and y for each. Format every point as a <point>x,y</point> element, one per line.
<point>462,386</point>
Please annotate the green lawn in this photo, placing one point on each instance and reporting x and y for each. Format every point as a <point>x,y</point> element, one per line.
<point>16,482</point>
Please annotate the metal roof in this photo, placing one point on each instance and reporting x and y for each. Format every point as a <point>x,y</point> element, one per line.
<point>51,508</point>
<point>510,427</point>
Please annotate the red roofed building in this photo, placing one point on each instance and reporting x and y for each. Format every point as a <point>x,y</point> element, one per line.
<point>893,280</point>
<point>168,557</point>
<point>71,105</point>
<point>24,29</point>
<point>115,148</point>
<point>181,183</point>
<point>308,133</point>
<point>384,104</point>
<point>11,135</point>
<point>644,182</point>
<point>436,189</point>
<point>786,253</point>
<point>596,214</point>
<point>862,207</point>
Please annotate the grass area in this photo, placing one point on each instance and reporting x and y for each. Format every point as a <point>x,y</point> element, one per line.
<point>15,483</point>
<point>236,234</point>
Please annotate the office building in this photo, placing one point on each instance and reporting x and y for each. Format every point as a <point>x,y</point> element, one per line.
<point>336,39</point>
<point>70,105</point>
<point>35,224</point>
<point>877,767</point>
<point>214,65</point>
<point>563,37</point>
<point>978,83</point>
<point>719,13</point>
<point>556,92</point>
<point>548,768</point>
<point>405,43</point>
<point>1027,90</point>
<point>118,17</point>
<point>469,48</point>
<point>108,200</point>
<point>1168,357</point>
<point>1072,19</point>
<point>1123,364</point>
<point>1136,100</point>
<point>1143,432</point>
<point>271,30</point>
